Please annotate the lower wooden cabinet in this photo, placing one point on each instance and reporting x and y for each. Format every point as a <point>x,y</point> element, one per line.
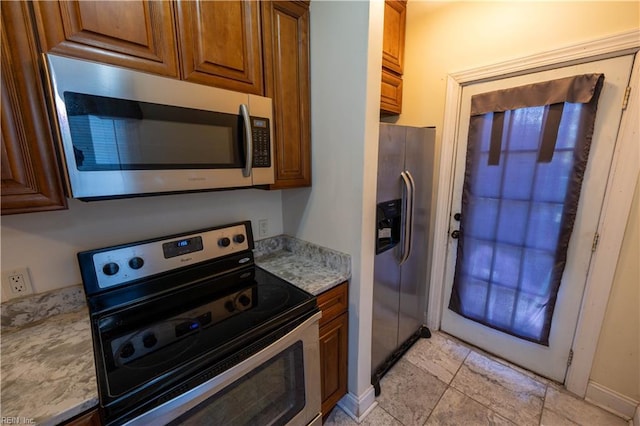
<point>88,418</point>
<point>334,333</point>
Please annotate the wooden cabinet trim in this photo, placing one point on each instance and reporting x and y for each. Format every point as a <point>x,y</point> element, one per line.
<point>30,176</point>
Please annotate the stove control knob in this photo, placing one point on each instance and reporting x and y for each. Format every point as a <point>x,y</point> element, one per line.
<point>136,262</point>
<point>239,238</point>
<point>149,340</point>
<point>244,300</point>
<point>110,268</point>
<point>230,306</point>
<point>224,242</point>
<point>127,350</point>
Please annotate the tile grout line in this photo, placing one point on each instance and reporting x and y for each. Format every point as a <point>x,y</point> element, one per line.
<point>391,415</point>
<point>448,386</point>
<point>475,400</point>
<point>544,403</point>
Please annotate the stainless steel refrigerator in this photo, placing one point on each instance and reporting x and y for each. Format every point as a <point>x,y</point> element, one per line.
<point>401,266</point>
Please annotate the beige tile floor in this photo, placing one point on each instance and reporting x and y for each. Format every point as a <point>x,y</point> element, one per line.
<point>442,381</point>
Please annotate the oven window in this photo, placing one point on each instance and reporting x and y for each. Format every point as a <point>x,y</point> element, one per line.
<point>271,394</point>
<point>120,134</point>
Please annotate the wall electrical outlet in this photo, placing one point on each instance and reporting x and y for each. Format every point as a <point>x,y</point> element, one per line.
<point>16,283</point>
<point>263,228</point>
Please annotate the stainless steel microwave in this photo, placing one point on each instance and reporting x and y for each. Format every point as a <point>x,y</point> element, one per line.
<point>125,133</point>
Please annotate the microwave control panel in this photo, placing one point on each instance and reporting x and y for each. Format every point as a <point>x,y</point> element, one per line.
<point>261,142</point>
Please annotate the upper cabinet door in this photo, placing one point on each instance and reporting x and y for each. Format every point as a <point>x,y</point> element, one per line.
<point>220,44</point>
<point>286,47</point>
<point>134,34</point>
<point>395,17</point>
<point>30,179</point>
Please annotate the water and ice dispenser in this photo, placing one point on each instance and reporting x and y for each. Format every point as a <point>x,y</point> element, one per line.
<point>388,219</point>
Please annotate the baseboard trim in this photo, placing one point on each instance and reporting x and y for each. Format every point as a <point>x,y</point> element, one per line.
<point>358,407</point>
<point>612,401</point>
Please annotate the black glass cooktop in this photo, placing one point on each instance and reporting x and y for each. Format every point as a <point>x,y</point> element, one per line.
<point>149,345</point>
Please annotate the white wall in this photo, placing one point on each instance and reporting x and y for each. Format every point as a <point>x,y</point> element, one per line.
<point>447,37</point>
<point>617,362</point>
<point>47,242</point>
<point>338,211</point>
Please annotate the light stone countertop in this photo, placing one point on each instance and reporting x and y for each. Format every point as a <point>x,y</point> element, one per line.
<point>307,274</point>
<point>46,353</point>
<point>48,374</point>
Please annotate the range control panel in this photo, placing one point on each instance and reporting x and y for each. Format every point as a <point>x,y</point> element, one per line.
<point>122,264</point>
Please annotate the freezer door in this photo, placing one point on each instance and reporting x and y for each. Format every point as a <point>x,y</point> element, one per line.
<point>386,285</point>
<point>414,272</point>
<point>386,277</point>
<point>390,161</point>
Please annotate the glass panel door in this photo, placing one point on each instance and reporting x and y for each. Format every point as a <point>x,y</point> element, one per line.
<point>497,221</point>
<point>512,252</point>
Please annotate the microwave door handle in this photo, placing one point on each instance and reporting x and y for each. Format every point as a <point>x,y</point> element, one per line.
<point>246,172</point>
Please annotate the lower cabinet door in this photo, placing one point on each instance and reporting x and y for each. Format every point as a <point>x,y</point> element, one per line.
<point>333,360</point>
<point>89,418</point>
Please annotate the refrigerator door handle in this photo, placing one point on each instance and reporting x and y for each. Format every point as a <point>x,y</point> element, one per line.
<point>413,207</point>
<point>407,216</point>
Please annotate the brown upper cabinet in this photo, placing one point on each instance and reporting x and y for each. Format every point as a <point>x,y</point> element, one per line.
<point>30,179</point>
<point>246,46</point>
<point>286,47</point>
<point>219,43</point>
<point>134,34</point>
<point>395,17</point>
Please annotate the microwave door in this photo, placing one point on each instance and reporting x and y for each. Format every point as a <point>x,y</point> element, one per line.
<point>121,136</point>
<point>158,149</point>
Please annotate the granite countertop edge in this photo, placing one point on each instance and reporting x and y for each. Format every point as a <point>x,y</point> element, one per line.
<point>49,334</point>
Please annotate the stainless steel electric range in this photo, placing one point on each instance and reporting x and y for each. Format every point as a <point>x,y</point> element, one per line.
<point>187,330</point>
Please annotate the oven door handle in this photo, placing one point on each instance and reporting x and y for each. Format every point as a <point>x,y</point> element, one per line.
<point>248,143</point>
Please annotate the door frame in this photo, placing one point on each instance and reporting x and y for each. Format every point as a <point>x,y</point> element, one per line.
<point>617,203</point>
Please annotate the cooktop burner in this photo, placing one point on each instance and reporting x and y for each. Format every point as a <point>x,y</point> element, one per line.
<point>147,339</point>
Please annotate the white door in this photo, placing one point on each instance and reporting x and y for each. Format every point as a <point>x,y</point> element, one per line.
<point>549,361</point>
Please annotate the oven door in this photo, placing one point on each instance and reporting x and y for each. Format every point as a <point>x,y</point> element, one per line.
<point>278,385</point>
<point>127,133</point>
